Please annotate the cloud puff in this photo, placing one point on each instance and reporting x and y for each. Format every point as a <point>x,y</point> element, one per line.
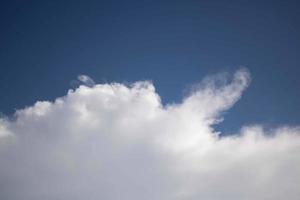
<point>86,80</point>
<point>118,142</point>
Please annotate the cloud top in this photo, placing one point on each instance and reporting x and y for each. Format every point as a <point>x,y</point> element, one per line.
<point>114,141</point>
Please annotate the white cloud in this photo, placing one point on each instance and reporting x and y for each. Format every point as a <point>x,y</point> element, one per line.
<point>113,141</point>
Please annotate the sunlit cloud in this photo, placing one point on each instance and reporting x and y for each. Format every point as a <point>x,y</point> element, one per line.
<point>114,141</point>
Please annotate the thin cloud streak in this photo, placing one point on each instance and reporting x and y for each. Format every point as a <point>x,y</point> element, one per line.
<point>86,80</point>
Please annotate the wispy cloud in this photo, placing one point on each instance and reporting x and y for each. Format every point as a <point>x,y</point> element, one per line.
<point>86,80</point>
<point>112,141</point>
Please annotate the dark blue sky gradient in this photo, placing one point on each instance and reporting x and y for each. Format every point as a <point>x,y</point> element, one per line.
<point>46,44</point>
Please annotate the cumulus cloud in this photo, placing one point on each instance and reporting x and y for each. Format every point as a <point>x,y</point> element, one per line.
<point>118,142</point>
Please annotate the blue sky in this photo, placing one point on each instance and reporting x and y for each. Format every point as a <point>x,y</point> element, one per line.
<point>46,44</point>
